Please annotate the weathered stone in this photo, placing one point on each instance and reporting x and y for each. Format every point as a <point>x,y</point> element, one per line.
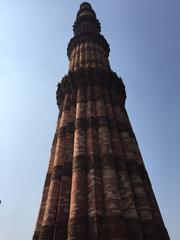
<point>96,187</point>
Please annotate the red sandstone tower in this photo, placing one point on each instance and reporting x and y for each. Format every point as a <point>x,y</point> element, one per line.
<point>96,187</point>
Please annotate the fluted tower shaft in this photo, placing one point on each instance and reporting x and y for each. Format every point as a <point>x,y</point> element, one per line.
<point>96,187</point>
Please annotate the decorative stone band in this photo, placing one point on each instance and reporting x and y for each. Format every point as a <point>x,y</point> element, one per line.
<point>96,123</point>
<point>92,77</point>
<point>86,23</point>
<point>88,37</point>
<point>88,55</point>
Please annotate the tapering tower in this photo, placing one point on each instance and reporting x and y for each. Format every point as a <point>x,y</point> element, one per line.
<point>96,186</point>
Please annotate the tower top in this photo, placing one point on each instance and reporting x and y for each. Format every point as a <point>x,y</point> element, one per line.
<point>86,10</point>
<point>87,29</point>
<point>85,5</point>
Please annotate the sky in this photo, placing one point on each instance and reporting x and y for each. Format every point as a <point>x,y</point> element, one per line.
<point>144,38</point>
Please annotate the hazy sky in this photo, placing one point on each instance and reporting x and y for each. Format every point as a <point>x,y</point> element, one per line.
<point>144,36</point>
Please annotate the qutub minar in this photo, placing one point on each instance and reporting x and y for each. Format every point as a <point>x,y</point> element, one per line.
<point>96,186</point>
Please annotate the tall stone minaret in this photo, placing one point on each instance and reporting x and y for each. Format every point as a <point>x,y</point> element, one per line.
<point>96,186</point>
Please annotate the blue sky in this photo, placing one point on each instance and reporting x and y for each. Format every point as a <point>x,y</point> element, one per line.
<point>144,37</point>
